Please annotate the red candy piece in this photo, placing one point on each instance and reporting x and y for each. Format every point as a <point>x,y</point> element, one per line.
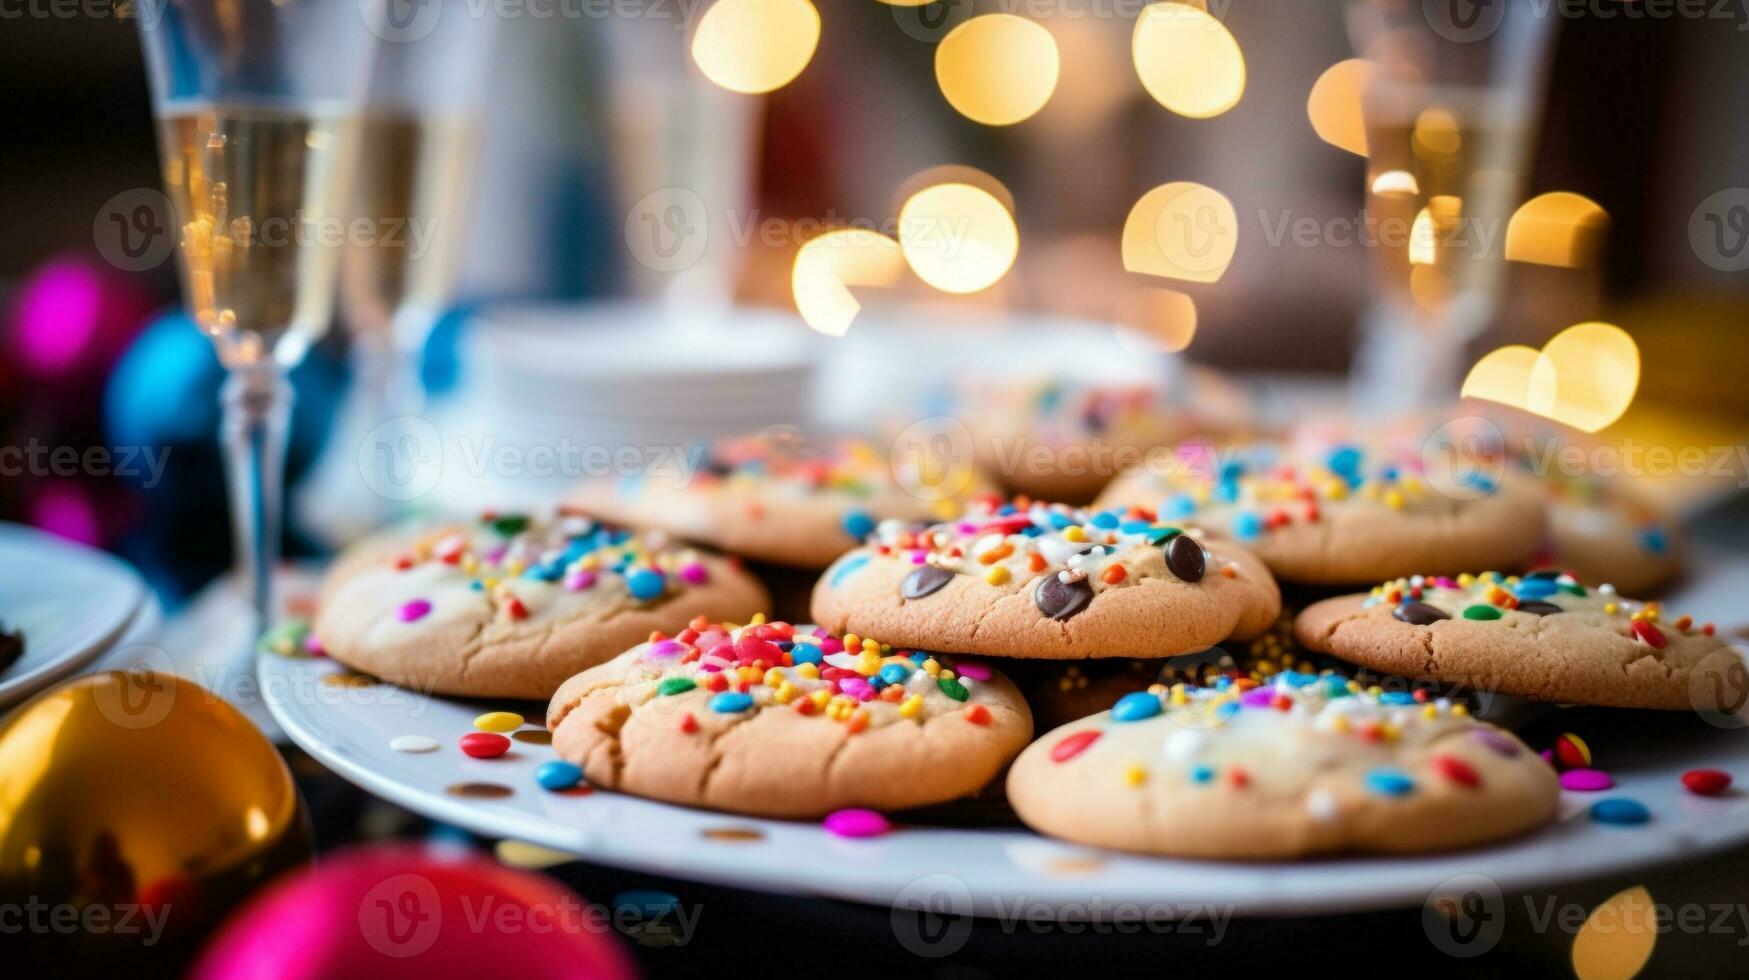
<point>1706,782</point>
<point>688,723</point>
<point>1651,634</point>
<point>1073,745</point>
<point>751,649</point>
<point>485,745</point>
<point>1456,770</point>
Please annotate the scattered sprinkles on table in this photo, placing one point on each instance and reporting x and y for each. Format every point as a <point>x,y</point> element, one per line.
<point>1062,555</point>
<point>1422,600</point>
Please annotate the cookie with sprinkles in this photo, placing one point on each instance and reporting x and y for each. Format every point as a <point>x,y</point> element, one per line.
<point>1061,438</point>
<point>783,500</point>
<point>1600,531</point>
<point>511,607</point>
<point>1297,766</point>
<point>1051,582</point>
<point>1543,636</point>
<point>771,719</point>
<point>1342,514</point>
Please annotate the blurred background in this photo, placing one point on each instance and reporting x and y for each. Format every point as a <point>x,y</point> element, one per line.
<point>601,134</point>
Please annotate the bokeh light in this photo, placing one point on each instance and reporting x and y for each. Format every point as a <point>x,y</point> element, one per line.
<point>1617,938</point>
<point>755,46</point>
<point>827,266</point>
<point>1585,377</point>
<point>1396,182</point>
<point>997,69</point>
<point>1336,104</point>
<point>1436,134</point>
<point>1559,228</point>
<point>1187,60</point>
<point>1182,230</point>
<point>1165,317</point>
<point>957,237</point>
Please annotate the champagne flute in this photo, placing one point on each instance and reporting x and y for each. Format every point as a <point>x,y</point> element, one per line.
<point>257,102</point>
<point>418,139</point>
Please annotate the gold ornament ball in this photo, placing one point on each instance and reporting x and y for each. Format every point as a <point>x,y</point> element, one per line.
<point>136,810</point>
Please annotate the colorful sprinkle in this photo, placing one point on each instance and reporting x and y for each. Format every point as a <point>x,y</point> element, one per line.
<point>1482,613</point>
<point>1571,752</point>
<point>412,743</point>
<point>856,822</point>
<point>1620,811</point>
<point>670,686</point>
<point>484,745</point>
<point>498,721</point>
<point>557,775</point>
<point>859,524</point>
<point>1136,706</point>
<point>645,584</point>
<point>952,688</point>
<point>1706,782</point>
<point>731,702</point>
<point>1586,780</point>
<point>1070,746</point>
<point>415,610</point>
<point>1389,782</point>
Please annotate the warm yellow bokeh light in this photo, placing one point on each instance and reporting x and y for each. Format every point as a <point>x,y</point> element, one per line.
<point>1423,239</point>
<point>1559,228</point>
<point>1396,182</point>
<point>1188,61</point>
<point>957,237</point>
<point>755,46</point>
<point>828,265</point>
<point>997,69</point>
<point>1429,287</point>
<point>1436,134</point>
<point>1181,230</point>
<point>1585,377</point>
<point>1165,317</point>
<point>1618,936</point>
<point>1335,106</point>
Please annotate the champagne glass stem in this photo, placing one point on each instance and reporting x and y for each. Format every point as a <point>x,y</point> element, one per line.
<point>256,412</point>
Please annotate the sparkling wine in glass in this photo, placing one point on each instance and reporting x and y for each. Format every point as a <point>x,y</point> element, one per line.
<point>257,104</point>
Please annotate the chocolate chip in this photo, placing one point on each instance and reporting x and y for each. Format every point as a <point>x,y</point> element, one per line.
<point>1184,557</point>
<point>925,581</point>
<point>1536,608</point>
<point>1419,613</point>
<point>1059,599</point>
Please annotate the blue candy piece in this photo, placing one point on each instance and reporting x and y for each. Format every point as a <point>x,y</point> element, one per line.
<point>646,583</point>
<point>894,673</point>
<point>859,524</point>
<point>1396,697</point>
<point>1536,588</point>
<point>731,702</point>
<point>846,568</point>
<point>1621,811</point>
<point>1654,541</point>
<point>1134,527</point>
<point>1247,525</point>
<point>1007,510</point>
<point>1201,773</point>
<point>558,774</point>
<point>1137,706</point>
<point>1059,520</point>
<point>1389,782</point>
<point>1336,687</point>
<point>805,653</point>
<point>1105,520</point>
<point>1177,505</point>
<point>1227,491</point>
<point>1293,678</point>
<point>1345,461</point>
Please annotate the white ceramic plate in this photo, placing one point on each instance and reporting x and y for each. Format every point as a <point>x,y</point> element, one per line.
<point>988,871</point>
<point>71,602</point>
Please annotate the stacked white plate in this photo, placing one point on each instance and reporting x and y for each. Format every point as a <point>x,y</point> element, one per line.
<point>72,603</point>
<point>541,384</point>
